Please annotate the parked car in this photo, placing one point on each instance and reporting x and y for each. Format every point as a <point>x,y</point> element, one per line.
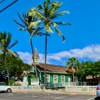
<point>98,90</point>
<point>4,88</point>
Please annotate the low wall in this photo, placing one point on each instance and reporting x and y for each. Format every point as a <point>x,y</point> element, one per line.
<point>67,88</point>
<point>80,88</point>
<point>35,88</point>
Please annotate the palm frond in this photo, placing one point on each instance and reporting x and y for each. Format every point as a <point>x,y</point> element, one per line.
<point>12,53</point>
<point>34,24</point>
<point>21,18</point>
<point>59,33</point>
<point>39,15</point>
<point>8,39</point>
<point>0,36</point>
<point>22,29</point>
<point>34,12</point>
<point>63,23</point>
<point>60,14</point>
<point>3,43</point>
<point>13,44</point>
<point>40,7</point>
<point>25,16</point>
<point>31,12</point>
<point>17,55</point>
<point>19,23</point>
<point>35,32</point>
<point>64,12</point>
<point>54,24</point>
<point>4,35</point>
<point>40,33</point>
<point>46,8</point>
<point>5,39</point>
<point>54,7</point>
<point>48,28</point>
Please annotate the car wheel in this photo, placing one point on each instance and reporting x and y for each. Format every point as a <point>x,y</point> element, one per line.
<point>9,90</point>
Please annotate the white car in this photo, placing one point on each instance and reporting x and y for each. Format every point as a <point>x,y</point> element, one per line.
<point>98,90</point>
<point>4,88</point>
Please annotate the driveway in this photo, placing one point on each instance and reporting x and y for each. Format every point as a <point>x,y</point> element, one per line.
<point>44,96</point>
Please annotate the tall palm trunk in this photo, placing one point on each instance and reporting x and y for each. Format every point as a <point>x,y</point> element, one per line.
<point>73,78</point>
<point>32,47</point>
<point>45,58</point>
<point>6,67</point>
<point>31,44</point>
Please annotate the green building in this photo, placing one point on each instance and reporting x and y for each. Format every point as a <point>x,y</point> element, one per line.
<point>56,76</point>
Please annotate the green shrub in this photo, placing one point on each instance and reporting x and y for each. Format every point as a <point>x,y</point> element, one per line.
<point>16,84</point>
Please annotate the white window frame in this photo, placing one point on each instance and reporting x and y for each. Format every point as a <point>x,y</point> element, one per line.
<point>56,79</point>
<point>61,79</point>
<point>48,78</point>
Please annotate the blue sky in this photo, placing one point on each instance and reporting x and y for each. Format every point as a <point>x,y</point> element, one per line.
<point>82,38</point>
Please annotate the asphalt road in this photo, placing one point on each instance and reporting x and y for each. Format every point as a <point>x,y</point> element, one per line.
<point>45,96</point>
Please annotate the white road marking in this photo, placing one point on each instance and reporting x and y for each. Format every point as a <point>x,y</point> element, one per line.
<point>91,98</point>
<point>60,97</point>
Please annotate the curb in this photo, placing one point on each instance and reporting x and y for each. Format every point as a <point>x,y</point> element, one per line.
<point>49,91</point>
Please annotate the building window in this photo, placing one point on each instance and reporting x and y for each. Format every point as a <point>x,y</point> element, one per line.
<point>47,78</point>
<point>55,78</point>
<point>63,78</point>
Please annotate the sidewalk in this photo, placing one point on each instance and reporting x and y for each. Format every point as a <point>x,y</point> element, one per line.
<point>55,91</point>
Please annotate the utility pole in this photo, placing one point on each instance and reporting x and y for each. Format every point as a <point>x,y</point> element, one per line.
<point>1,1</point>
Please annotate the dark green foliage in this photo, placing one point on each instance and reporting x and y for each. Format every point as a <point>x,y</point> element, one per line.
<point>15,65</point>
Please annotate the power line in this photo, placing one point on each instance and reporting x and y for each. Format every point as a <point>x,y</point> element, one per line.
<point>1,1</point>
<point>8,5</point>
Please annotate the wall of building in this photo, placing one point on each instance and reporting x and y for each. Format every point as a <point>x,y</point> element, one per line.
<point>51,77</point>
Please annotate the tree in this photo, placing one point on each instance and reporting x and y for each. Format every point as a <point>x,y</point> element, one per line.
<point>30,24</point>
<point>5,40</point>
<point>72,66</point>
<point>15,66</point>
<point>91,69</point>
<point>47,13</point>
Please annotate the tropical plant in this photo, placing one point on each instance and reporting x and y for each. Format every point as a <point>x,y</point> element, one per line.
<point>15,66</point>
<point>5,40</point>
<point>72,66</point>
<point>31,24</point>
<point>91,69</point>
<point>47,13</point>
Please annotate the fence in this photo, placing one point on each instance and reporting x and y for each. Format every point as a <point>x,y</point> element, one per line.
<point>37,88</point>
<point>80,88</point>
<point>55,85</point>
<point>67,88</point>
<point>76,83</point>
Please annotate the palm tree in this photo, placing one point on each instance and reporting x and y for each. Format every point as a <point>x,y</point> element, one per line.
<point>31,24</point>
<point>72,66</point>
<point>47,13</point>
<point>5,40</point>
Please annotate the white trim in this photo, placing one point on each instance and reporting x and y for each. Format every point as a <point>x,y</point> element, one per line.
<point>54,80</point>
<point>64,79</point>
<point>49,78</point>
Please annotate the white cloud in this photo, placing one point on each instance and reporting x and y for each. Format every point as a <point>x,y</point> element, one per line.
<point>26,57</point>
<point>91,52</point>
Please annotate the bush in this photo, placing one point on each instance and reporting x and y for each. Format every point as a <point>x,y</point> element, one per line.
<point>16,84</point>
